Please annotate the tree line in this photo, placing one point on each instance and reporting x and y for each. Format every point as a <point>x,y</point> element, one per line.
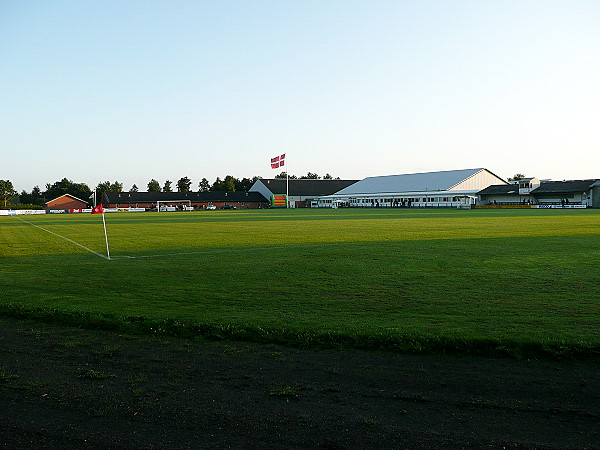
<point>39,197</point>
<point>308,176</point>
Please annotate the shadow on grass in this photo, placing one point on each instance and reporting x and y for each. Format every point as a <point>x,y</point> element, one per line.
<point>391,341</point>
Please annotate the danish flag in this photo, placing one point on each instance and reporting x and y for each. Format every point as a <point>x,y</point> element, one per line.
<point>278,161</point>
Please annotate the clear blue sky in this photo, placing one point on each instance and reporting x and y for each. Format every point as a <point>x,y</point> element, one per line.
<point>134,90</point>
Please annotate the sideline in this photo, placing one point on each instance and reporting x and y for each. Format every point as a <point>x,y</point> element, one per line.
<point>66,239</point>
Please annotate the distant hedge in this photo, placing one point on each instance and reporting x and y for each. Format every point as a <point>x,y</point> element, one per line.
<point>23,207</point>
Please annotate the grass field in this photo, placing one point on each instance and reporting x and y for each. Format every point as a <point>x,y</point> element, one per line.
<point>514,282</point>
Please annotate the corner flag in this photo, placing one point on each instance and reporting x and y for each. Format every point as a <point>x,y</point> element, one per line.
<point>100,210</point>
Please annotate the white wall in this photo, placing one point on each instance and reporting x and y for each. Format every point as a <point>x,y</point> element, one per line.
<point>478,182</point>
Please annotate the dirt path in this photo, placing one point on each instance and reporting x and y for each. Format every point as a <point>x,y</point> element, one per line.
<point>62,387</point>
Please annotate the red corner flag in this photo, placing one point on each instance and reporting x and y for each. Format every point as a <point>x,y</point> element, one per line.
<point>98,209</point>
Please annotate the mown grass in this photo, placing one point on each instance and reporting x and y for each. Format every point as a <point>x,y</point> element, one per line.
<point>514,282</point>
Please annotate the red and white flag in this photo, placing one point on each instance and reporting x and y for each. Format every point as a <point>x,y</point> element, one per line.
<point>98,209</point>
<point>278,161</point>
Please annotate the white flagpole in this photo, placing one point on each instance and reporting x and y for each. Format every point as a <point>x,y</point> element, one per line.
<point>287,183</point>
<point>105,236</point>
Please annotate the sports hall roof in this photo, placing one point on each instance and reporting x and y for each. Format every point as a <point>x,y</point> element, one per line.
<point>413,182</point>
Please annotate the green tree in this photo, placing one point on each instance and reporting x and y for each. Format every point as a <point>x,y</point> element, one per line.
<point>183,184</point>
<point>66,186</point>
<point>36,197</point>
<point>229,183</point>
<point>107,186</point>
<point>204,185</point>
<point>153,186</point>
<point>245,183</point>
<point>167,186</point>
<point>134,188</point>
<point>7,192</point>
<point>116,187</point>
<point>25,198</point>
<point>517,177</point>
<point>103,187</point>
<point>284,175</point>
<point>218,185</point>
<point>327,177</point>
<point>310,176</point>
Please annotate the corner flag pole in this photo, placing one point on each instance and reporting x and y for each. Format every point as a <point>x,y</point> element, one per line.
<point>100,210</point>
<point>105,236</point>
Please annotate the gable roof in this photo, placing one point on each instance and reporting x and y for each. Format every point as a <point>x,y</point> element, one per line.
<point>570,186</point>
<point>211,196</point>
<point>66,195</point>
<point>304,187</point>
<point>413,182</point>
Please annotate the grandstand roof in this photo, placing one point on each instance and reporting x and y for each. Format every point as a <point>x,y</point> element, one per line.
<point>564,186</point>
<point>414,182</point>
<point>500,189</point>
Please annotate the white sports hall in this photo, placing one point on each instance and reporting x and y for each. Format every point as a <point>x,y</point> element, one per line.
<point>451,188</point>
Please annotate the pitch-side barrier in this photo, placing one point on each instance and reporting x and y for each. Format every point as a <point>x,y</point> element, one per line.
<point>20,212</point>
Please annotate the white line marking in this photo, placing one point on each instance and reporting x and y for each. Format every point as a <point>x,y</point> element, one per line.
<point>66,239</point>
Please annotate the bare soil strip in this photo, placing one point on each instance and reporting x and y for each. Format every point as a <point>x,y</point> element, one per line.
<point>63,387</point>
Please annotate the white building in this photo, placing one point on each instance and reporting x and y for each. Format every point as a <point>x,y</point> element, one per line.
<point>452,188</point>
<point>515,193</point>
